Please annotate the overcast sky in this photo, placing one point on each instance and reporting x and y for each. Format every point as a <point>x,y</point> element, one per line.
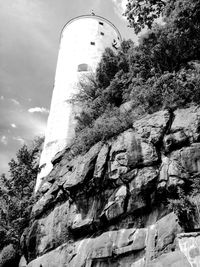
<point>29,42</point>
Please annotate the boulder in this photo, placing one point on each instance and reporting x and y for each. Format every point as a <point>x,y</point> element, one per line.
<point>124,247</point>
<point>129,151</point>
<point>101,161</point>
<point>82,216</point>
<point>22,262</point>
<point>9,256</point>
<point>167,229</point>
<point>189,158</point>
<point>143,182</point>
<point>152,128</point>
<point>79,169</point>
<point>116,204</point>
<point>55,258</point>
<point>92,251</point>
<point>48,233</point>
<point>172,259</point>
<point>45,202</point>
<point>185,128</point>
<point>172,173</point>
<point>189,244</point>
<point>179,166</point>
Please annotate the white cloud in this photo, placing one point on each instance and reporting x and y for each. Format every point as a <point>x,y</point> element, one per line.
<point>38,109</point>
<point>2,97</point>
<point>15,101</point>
<point>4,140</point>
<point>13,125</point>
<point>19,139</point>
<point>120,7</point>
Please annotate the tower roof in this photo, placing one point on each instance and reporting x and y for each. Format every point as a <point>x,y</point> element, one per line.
<point>92,16</point>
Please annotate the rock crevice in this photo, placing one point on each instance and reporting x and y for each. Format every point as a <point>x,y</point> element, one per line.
<point>105,208</point>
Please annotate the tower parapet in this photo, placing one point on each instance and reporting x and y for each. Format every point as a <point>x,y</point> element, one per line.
<point>83,41</point>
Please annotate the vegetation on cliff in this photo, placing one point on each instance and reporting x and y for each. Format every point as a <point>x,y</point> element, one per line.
<point>162,71</point>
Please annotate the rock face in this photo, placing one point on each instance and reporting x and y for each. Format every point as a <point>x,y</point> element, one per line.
<point>189,243</point>
<point>9,256</point>
<point>105,208</point>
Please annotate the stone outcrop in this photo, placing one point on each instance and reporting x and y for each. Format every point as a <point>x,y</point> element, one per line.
<point>105,208</point>
<point>9,256</point>
<point>189,243</point>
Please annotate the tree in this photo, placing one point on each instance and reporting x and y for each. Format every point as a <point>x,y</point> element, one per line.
<point>16,193</point>
<point>184,15</point>
<point>107,68</point>
<point>141,13</point>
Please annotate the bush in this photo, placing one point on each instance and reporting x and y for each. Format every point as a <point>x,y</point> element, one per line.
<point>170,90</point>
<point>154,75</point>
<point>185,203</point>
<point>184,208</point>
<point>106,126</point>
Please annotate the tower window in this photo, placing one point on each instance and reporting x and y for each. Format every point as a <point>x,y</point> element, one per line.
<point>102,33</point>
<point>82,67</point>
<point>92,43</point>
<point>101,23</point>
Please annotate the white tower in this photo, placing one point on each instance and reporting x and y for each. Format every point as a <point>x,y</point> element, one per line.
<point>83,40</point>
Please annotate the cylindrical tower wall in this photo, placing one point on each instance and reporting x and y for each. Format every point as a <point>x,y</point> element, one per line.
<point>83,40</point>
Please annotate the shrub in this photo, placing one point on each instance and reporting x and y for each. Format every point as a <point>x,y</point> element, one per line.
<point>170,90</point>
<point>185,210</point>
<point>106,126</point>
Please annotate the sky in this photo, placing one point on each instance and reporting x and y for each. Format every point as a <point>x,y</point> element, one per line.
<point>29,43</point>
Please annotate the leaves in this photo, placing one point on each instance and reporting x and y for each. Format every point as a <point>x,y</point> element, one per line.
<point>16,193</point>
<point>184,207</point>
<point>142,13</point>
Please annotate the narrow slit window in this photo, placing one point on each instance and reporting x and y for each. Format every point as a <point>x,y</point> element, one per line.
<point>101,23</point>
<point>92,43</point>
<point>102,33</point>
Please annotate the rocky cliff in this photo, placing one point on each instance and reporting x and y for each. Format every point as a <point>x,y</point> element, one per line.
<point>107,208</point>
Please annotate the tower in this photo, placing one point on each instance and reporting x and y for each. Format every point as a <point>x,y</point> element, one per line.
<point>83,41</point>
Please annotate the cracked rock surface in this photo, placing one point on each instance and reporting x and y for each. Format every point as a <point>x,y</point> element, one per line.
<point>101,209</point>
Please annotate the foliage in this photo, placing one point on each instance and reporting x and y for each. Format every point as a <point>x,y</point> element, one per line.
<point>185,203</point>
<point>162,71</point>
<point>183,13</point>
<point>106,126</point>
<point>169,46</point>
<point>142,13</point>
<point>16,192</point>
<point>107,68</point>
<point>184,207</point>
<point>169,90</point>
<point>102,93</point>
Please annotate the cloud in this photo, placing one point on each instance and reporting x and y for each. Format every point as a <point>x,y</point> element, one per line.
<point>38,109</point>
<point>2,97</point>
<point>15,101</point>
<point>4,140</point>
<point>13,125</point>
<point>19,139</point>
<point>120,7</point>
